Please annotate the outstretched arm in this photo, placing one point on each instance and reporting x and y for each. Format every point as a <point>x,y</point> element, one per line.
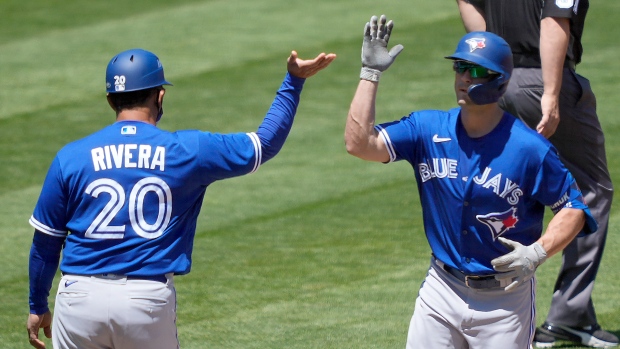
<point>277,124</point>
<point>360,136</point>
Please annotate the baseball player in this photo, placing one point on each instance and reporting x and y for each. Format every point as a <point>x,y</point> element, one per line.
<point>121,205</point>
<point>484,179</point>
<point>550,96</point>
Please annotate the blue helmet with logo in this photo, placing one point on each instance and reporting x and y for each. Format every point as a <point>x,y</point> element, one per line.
<point>492,52</point>
<point>134,70</point>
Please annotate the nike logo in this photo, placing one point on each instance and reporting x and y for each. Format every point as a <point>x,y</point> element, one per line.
<point>438,139</point>
<point>70,282</point>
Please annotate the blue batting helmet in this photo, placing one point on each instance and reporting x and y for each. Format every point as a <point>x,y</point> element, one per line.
<point>134,70</point>
<point>492,52</point>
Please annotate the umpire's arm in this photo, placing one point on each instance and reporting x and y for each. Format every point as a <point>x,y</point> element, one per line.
<point>472,15</point>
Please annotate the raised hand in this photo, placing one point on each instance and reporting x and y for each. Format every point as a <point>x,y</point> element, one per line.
<point>306,68</point>
<point>375,55</point>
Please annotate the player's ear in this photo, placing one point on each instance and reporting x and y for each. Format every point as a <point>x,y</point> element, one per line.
<point>160,96</point>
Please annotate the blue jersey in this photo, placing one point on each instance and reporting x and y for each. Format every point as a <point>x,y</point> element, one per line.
<point>474,190</point>
<point>127,198</point>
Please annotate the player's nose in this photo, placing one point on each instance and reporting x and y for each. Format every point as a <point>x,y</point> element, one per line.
<point>465,76</point>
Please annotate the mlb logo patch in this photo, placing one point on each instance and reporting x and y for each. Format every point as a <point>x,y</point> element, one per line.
<point>564,3</point>
<point>475,43</point>
<point>128,130</point>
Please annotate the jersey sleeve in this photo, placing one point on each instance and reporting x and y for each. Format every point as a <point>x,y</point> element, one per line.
<point>50,213</point>
<point>559,8</point>
<point>398,137</point>
<point>229,155</point>
<point>42,266</point>
<point>277,124</point>
<point>556,187</point>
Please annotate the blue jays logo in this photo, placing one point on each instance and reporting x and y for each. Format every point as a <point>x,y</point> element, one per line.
<point>475,43</point>
<point>499,223</point>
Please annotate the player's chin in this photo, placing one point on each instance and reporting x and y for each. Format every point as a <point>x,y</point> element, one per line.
<point>463,101</point>
<point>462,98</point>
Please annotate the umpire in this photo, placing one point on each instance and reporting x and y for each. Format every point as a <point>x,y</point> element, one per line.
<point>546,92</point>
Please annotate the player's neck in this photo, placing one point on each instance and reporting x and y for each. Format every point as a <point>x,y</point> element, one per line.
<point>480,120</point>
<point>137,114</point>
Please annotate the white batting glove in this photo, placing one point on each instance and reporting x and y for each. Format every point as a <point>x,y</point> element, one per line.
<point>375,55</point>
<point>520,264</point>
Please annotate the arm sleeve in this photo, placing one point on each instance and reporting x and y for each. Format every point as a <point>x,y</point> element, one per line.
<point>50,213</point>
<point>279,119</point>
<point>43,263</point>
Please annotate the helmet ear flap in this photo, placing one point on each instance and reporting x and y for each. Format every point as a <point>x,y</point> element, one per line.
<point>489,92</point>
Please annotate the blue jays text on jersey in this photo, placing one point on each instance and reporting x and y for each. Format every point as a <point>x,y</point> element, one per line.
<point>473,190</point>
<point>447,168</point>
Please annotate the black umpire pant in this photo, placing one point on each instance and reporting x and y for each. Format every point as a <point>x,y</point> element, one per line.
<point>580,141</point>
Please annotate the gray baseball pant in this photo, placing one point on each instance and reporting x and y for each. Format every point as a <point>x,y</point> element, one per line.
<point>98,313</point>
<point>448,314</point>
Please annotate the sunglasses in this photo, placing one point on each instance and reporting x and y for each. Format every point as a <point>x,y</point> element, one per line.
<point>476,71</point>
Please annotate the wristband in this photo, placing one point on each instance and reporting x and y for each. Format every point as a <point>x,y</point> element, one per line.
<point>540,252</point>
<point>370,74</point>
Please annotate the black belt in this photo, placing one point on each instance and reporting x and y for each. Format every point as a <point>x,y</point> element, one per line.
<point>478,282</point>
<point>158,278</point>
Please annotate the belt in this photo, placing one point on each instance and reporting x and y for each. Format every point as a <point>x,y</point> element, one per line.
<point>157,278</point>
<point>478,282</point>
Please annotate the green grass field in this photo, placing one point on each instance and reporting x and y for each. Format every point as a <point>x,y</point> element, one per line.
<point>316,250</point>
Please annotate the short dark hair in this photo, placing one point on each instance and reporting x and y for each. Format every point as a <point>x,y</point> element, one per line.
<point>133,99</point>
